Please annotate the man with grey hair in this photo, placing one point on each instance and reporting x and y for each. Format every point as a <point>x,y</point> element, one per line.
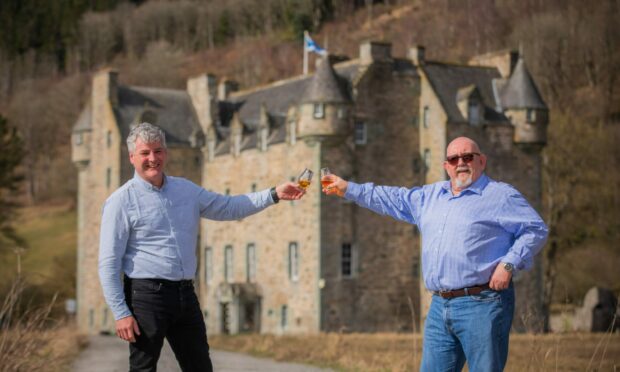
<point>149,232</point>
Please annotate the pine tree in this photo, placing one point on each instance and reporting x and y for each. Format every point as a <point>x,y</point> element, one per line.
<point>10,158</point>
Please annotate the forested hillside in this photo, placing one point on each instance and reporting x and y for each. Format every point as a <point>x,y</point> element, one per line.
<point>49,50</point>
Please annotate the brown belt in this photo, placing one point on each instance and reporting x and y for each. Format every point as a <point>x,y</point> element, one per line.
<point>463,291</point>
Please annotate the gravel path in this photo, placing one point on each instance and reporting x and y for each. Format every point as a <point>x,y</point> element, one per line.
<point>111,354</point>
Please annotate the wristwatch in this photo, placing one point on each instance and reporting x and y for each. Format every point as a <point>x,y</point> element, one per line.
<point>508,266</point>
<point>274,195</point>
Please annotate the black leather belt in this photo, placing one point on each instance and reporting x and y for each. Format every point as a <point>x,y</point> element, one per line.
<point>165,282</point>
<point>469,291</point>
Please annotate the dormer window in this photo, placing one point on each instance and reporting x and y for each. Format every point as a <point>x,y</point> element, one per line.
<point>473,113</point>
<point>530,116</point>
<point>263,132</point>
<point>292,136</point>
<point>318,111</point>
<point>236,145</point>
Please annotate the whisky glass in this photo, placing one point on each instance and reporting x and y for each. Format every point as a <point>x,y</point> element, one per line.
<point>325,172</point>
<point>305,178</point>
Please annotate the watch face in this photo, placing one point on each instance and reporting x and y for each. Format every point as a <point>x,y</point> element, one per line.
<point>508,266</point>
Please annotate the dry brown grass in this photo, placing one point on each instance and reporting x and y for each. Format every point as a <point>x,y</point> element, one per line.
<point>395,352</point>
<point>30,340</point>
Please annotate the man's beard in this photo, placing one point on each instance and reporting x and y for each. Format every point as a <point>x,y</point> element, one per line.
<point>463,184</point>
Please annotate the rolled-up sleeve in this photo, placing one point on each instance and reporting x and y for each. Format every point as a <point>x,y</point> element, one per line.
<point>529,230</point>
<point>115,229</point>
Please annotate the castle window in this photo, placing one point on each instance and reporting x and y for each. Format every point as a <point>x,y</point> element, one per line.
<point>109,139</point>
<point>284,317</point>
<point>263,139</point>
<point>253,187</point>
<point>250,262</point>
<point>346,260</point>
<point>208,265</point>
<point>79,139</point>
<point>427,160</point>
<point>210,149</point>
<point>425,117</point>
<point>227,192</point>
<point>293,261</point>
<point>91,318</point>
<point>473,113</point>
<point>319,111</point>
<point>360,133</point>
<point>292,136</point>
<point>236,143</point>
<point>530,116</point>
<point>108,177</point>
<point>104,321</point>
<point>342,112</point>
<point>228,263</point>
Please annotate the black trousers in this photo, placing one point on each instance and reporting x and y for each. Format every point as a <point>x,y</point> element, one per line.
<point>167,309</point>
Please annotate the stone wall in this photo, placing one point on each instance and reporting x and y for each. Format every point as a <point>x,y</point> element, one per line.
<point>385,251</point>
<point>271,231</point>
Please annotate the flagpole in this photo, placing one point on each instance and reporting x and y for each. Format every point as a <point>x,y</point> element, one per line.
<point>305,68</point>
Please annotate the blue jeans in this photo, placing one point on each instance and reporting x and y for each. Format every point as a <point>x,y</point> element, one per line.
<point>473,328</point>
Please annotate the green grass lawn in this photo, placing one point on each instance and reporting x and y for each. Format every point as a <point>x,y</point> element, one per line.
<point>49,261</point>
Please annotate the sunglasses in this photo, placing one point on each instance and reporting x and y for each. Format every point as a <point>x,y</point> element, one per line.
<point>467,158</point>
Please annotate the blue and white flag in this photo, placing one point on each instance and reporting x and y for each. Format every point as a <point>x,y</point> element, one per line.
<point>311,46</point>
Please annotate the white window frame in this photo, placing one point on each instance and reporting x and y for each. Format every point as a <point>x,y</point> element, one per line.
<point>263,138</point>
<point>293,261</point>
<point>530,116</point>
<point>318,111</point>
<point>250,262</point>
<point>228,264</point>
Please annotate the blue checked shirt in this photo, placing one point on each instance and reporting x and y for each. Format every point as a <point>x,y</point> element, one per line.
<point>151,233</point>
<point>465,236</point>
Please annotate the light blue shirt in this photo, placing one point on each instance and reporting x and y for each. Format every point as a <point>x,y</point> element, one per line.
<point>464,236</point>
<point>151,233</point>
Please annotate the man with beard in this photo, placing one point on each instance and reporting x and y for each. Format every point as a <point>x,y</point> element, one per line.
<point>149,230</point>
<point>476,234</point>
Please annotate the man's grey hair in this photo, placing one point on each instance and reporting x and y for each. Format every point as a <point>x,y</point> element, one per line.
<point>148,133</point>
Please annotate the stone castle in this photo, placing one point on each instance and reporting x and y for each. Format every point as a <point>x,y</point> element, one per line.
<point>321,263</point>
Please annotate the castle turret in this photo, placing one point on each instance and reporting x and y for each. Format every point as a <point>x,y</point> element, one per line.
<point>324,105</point>
<point>524,106</point>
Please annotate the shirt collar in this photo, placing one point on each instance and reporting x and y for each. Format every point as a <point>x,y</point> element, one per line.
<point>475,187</point>
<point>146,185</point>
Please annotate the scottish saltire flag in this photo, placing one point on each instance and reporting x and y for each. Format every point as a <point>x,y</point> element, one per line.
<point>311,46</point>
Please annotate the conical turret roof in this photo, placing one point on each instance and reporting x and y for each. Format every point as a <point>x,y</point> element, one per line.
<point>325,86</point>
<point>521,92</point>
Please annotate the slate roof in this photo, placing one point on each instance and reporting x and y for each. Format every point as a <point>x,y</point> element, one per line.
<point>448,81</point>
<point>173,109</point>
<point>520,90</point>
